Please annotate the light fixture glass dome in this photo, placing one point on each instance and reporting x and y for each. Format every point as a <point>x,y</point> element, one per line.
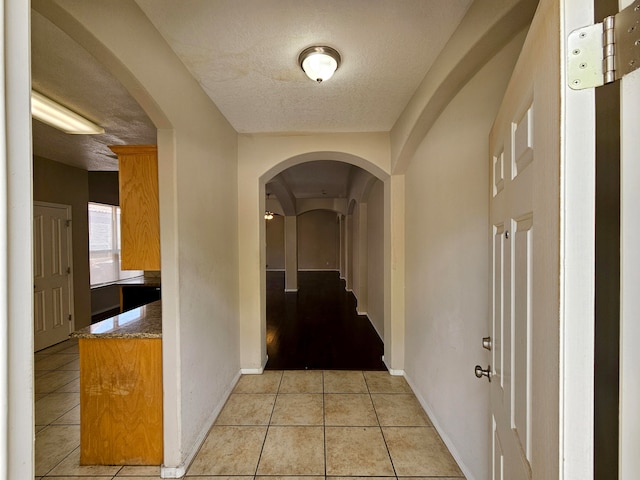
<point>319,63</point>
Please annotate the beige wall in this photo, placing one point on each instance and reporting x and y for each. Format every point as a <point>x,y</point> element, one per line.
<point>274,235</point>
<point>197,153</point>
<point>104,188</point>
<point>447,271</point>
<point>375,256</point>
<point>260,158</point>
<point>58,183</point>
<point>356,254</point>
<point>435,328</point>
<point>318,240</point>
<point>485,28</point>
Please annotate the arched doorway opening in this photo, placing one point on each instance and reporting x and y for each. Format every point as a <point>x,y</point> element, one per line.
<point>323,264</point>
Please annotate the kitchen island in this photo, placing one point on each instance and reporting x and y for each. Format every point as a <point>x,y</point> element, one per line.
<point>121,389</point>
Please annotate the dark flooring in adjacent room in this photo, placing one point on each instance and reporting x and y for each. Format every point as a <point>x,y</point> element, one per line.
<point>318,327</point>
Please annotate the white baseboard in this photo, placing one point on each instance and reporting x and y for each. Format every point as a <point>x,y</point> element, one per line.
<point>255,371</point>
<point>394,372</point>
<point>252,371</point>
<point>172,472</point>
<point>445,438</point>
<point>181,470</point>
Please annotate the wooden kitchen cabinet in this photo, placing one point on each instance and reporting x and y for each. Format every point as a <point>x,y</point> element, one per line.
<point>121,401</point>
<point>121,413</point>
<point>140,216</point>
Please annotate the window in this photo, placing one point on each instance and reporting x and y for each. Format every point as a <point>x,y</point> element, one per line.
<point>104,245</point>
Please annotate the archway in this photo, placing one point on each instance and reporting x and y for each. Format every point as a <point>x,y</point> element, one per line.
<point>348,259</point>
<point>194,188</point>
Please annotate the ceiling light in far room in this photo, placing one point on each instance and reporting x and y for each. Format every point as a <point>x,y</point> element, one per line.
<point>319,63</point>
<point>268,215</point>
<point>55,115</point>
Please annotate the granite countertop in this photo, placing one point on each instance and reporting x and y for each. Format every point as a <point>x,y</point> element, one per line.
<point>141,322</point>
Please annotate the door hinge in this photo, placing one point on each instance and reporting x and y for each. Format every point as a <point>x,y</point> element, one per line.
<point>69,317</point>
<point>604,52</point>
<point>67,223</point>
<point>68,270</point>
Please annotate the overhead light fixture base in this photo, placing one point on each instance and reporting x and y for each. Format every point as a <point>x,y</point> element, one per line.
<point>319,62</point>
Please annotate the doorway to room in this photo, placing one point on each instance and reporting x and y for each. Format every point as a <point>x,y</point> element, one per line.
<point>52,276</point>
<point>324,268</point>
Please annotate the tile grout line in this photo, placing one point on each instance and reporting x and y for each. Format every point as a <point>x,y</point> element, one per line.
<point>52,423</point>
<point>49,425</point>
<point>278,394</point>
<point>324,425</point>
<point>384,439</point>
<point>266,433</point>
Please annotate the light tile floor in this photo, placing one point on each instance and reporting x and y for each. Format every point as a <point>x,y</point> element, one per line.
<point>311,423</point>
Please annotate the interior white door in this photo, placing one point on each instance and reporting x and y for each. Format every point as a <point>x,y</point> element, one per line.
<point>53,320</point>
<point>512,223</point>
<point>630,275</point>
<point>524,223</point>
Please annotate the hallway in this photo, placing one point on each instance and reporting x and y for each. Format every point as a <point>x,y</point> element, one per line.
<point>318,327</point>
<point>324,423</point>
<point>281,423</point>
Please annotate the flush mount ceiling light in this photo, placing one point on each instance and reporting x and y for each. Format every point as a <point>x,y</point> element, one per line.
<point>319,63</point>
<point>55,115</point>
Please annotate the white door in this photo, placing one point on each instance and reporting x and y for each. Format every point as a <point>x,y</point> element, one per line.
<point>524,222</point>
<point>52,281</point>
<point>514,224</point>
<point>630,275</point>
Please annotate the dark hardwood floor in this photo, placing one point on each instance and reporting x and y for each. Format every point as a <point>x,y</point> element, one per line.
<point>317,327</point>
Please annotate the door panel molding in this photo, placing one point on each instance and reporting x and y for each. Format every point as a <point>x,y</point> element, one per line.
<point>53,312</point>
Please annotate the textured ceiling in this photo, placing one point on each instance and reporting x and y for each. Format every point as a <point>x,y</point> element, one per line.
<point>63,71</point>
<point>245,54</point>
<point>319,179</point>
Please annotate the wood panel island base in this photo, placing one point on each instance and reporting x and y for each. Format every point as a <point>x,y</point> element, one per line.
<point>121,389</point>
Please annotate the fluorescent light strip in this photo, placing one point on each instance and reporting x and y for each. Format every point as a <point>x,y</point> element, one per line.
<point>47,111</point>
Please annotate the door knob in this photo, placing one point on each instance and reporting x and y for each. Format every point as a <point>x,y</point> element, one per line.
<point>486,343</point>
<point>483,373</point>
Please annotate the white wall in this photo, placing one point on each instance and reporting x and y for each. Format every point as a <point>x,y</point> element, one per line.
<point>375,257</point>
<point>447,277</point>
<point>16,271</point>
<point>197,152</point>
